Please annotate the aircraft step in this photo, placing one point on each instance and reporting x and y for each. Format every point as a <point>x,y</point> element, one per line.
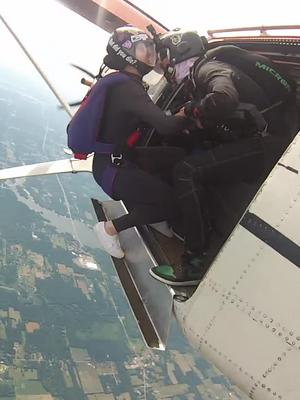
<point>150,300</point>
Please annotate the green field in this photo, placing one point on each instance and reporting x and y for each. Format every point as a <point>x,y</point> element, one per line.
<point>7,398</point>
<point>101,331</point>
<point>24,387</point>
<point>2,331</point>
<point>23,374</point>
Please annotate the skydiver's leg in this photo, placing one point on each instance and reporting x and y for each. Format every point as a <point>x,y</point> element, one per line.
<point>230,163</point>
<point>147,198</point>
<point>159,160</point>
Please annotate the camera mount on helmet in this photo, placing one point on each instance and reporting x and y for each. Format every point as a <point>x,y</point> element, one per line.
<point>177,46</point>
<point>183,45</point>
<point>162,53</point>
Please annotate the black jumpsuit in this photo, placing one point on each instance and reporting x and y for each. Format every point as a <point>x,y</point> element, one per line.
<point>147,198</point>
<point>221,88</point>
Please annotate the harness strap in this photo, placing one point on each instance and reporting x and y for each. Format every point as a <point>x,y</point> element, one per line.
<point>116,160</point>
<point>104,148</point>
<point>108,177</point>
<point>101,148</point>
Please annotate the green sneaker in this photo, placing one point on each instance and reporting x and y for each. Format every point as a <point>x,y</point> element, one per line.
<point>166,274</point>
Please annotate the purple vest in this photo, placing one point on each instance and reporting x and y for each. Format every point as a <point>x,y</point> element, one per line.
<point>85,126</point>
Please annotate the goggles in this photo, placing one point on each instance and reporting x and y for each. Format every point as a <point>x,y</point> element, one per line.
<point>145,52</point>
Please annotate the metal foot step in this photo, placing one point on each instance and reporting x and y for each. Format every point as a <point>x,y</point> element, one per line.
<point>150,300</point>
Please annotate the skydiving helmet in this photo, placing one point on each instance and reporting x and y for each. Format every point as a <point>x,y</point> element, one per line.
<point>131,46</point>
<point>178,46</point>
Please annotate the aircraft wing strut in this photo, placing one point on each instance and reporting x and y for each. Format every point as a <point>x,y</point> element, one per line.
<point>69,165</point>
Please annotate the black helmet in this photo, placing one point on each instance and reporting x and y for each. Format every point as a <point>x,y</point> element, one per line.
<point>131,46</point>
<point>179,45</point>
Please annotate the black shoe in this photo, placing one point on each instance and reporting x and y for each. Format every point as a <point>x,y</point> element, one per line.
<point>189,273</point>
<point>193,264</point>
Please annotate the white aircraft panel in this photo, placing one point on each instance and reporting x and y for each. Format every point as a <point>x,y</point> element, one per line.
<point>282,191</point>
<point>289,226</point>
<point>231,334</point>
<point>284,214</point>
<point>210,294</point>
<point>244,316</point>
<point>236,343</point>
<point>279,203</point>
<point>234,259</point>
<point>271,287</point>
<point>283,376</point>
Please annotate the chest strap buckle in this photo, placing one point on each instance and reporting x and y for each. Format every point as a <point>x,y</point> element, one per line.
<point>117,159</point>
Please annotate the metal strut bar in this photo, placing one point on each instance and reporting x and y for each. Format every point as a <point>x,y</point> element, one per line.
<point>262,29</point>
<point>43,75</point>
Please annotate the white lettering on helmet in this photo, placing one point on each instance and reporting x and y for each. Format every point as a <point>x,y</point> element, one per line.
<point>137,38</point>
<point>130,60</point>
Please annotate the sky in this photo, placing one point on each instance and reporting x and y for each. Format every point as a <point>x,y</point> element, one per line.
<point>202,15</point>
<point>56,36</point>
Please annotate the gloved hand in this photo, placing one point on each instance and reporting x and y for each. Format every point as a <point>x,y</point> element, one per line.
<point>193,110</point>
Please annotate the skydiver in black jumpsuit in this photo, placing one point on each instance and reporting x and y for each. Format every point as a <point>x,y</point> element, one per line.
<point>147,198</point>
<point>219,88</point>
